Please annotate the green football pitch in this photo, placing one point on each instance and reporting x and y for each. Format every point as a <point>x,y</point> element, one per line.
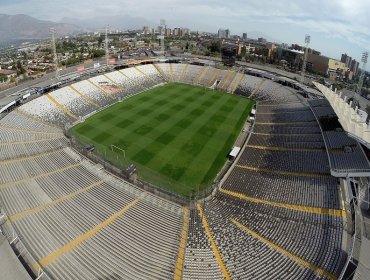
<point>177,135</point>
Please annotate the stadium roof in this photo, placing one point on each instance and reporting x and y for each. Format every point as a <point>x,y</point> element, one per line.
<point>363,102</point>
<point>10,267</point>
<point>6,72</point>
<point>6,100</point>
<point>297,51</point>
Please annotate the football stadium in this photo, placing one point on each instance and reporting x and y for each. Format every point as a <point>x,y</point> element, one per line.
<point>181,171</point>
<point>191,127</point>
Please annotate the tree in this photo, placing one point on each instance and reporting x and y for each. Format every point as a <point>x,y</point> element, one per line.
<point>367,109</point>
<point>20,68</point>
<point>215,47</point>
<point>364,91</point>
<point>187,46</point>
<point>95,53</point>
<point>100,41</point>
<point>243,51</point>
<point>339,86</point>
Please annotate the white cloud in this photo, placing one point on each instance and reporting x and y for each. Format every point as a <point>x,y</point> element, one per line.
<point>347,20</point>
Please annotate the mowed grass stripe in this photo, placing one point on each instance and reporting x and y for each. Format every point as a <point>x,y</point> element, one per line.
<point>217,156</point>
<point>141,115</point>
<point>192,119</point>
<point>197,147</point>
<point>177,135</point>
<point>112,117</point>
<point>165,128</point>
<point>220,154</point>
<point>150,133</point>
<point>101,131</point>
<point>198,116</point>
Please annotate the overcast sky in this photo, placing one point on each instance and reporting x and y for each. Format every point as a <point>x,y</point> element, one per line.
<point>335,26</point>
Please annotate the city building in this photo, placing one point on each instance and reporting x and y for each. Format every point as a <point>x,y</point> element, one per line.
<point>185,31</point>
<point>224,33</point>
<point>346,59</point>
<point>160,29</point>
<point>221,33</point>
<point>244,36</point>
<point>227,33</point>
<point>146,30</point>
<point>302,49</point>
<point>326,66</point>
<point>291,58</point>
<point>176,31</point>
<point>8,74</point>
<point>351,64</point>
<point>272,48</point>
<point>248,48</point>
<point>354,67</point>
<point>168,32</point>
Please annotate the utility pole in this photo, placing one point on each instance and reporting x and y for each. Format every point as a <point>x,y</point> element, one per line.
<point>307,40</point>
<point>163,31</point>
<point>106,45</point>
<point>53,31</point>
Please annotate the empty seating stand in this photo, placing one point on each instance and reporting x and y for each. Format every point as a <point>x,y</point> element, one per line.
<point>81,222</point>
<point>346,155</point>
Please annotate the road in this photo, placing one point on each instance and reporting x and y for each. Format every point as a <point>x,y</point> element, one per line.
<point>48,78</point>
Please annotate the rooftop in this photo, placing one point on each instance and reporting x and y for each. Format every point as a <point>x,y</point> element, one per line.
<point>7,72</point>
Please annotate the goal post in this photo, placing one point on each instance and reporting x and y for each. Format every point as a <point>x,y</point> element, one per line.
<point>118,148</point>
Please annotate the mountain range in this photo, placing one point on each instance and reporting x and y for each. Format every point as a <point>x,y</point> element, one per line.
<point>23,27</point>
<point>18,28</point>
<point>115,22</point>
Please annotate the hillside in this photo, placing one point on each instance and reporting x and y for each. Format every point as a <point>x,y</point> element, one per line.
<point>23,27</point>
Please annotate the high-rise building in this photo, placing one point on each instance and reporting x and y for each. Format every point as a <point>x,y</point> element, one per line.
<point>168,32</point>
<point>244,36</point>
<point>146,30</point>
<point>227,33</point>
<point>176,31</point>
<point>221,33</point>
<point>160,29</point>
<point>354,66</point>
<point>185,31</point>
<point>346,59</point>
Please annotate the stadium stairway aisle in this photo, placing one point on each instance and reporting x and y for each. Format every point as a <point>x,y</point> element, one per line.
<point>278,214</point>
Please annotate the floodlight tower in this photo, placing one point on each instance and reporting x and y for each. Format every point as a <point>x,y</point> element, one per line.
<point>307,40</point>
<point>364,58</point>
<point>161,36</point>
<point>106,45</point>
<point>53,31</point>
